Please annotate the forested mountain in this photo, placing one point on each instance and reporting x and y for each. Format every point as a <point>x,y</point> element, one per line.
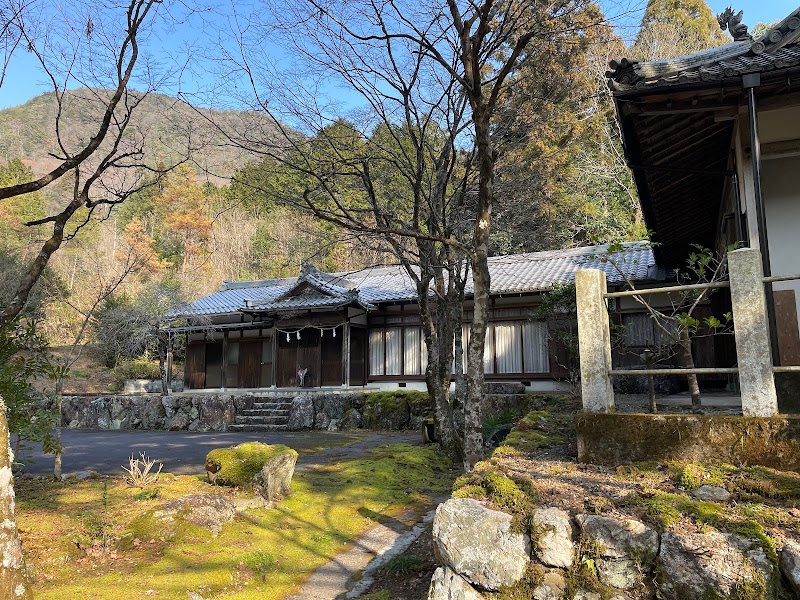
<point>168,127</point>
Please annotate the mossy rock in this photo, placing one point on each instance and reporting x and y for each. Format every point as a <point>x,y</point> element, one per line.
<point>238,465</point>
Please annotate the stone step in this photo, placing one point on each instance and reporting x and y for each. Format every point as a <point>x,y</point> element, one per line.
<point>262,420</point>
<point>265,412</point>
<point>249,428</point>
<point>267,405</point>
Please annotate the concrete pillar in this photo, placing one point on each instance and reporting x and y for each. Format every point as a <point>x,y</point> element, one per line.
<point>595,341</point>
<point>751,327</point>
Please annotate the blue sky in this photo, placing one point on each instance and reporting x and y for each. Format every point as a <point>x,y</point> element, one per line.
<point>24,80</point>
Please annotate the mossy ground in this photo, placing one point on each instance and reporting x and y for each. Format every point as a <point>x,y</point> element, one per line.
<point>71,530</point>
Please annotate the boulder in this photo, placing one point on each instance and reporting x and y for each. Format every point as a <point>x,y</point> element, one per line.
<point>301,414</point>
<point>170,405</point>
<point>699,566</point>
<point>623,545</point>
<point>209,511</point>
<point>213,413</point>
<point>179,422</point>
<point>790,565</point>
<point>321,421</point>
<point>620,538</point>
<point>389,413</point>
<point>553,544</point>
<point>351,420</point>
<point>239,465</point>
<point>478,544</point>
<point>447,585</point>
<point>711,493</point>
<point>274,481</point>
<point>153,414</point>
<point>333,405</point>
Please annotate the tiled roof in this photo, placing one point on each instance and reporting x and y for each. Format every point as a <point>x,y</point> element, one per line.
<point>512,274</point>
<point>776,50</point>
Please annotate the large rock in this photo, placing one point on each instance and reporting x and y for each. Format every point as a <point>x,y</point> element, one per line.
<point>209,511</point>
<point>153,414</point>
<point>178,422</point>
<point>477,543</point>
<point>447,585</point>
<point>623,545</point>
<point>351,420</point>
<point>301,414</point>
<point>698,566</point>
<point>333,405</point>
<point>620,538</point>
<point>790,565</point>
<point>274,481</point>
<point>553,544</point>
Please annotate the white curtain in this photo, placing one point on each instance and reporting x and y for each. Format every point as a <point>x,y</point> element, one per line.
<point>376,348</point>
<point>534,344</point>
<point>508,346</point>
<point>413,344</point>
<point>394,345</point>
<point>488,350</point>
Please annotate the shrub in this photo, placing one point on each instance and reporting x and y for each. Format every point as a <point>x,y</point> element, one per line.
<point>260,563</point>
<point>237,465</point>
<point>140,368</point>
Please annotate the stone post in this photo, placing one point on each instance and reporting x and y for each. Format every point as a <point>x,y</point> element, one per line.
<point>595,341</point>
<point>751,328</point>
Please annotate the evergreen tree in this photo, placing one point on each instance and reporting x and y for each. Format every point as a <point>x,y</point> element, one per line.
<point>673,28</point>
<point>562,181</point>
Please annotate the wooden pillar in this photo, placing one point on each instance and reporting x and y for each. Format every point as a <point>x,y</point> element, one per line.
<point>169,362</point>
<point>346,353</point>
<point>224,356</point>
<point>274,357</point>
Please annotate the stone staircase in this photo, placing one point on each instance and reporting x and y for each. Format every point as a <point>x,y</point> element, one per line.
<point>266,414</point>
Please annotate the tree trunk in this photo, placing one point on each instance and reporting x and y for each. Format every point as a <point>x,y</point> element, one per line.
<point>59,403</point>
<point>438,342</point>
<point>687,362</point>
<point>473,402</point>
<point>12,569</point>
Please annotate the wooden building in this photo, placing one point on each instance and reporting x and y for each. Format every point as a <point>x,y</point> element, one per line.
<point>363,329</point>
<point>713,140</point>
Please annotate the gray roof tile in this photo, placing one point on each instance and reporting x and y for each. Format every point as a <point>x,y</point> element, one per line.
<point>512,274</point>
<point>777,49</point>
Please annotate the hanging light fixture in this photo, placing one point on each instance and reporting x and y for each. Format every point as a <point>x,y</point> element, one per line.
<point>334,332</point>
<point>298,334</point>
<point>287,336</point>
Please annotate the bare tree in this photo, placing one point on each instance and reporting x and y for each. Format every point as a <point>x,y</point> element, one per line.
<point>102,57</point>
<point>86,45</point>
<point>429,77</point>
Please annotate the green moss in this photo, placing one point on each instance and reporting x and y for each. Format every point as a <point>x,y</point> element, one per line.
<point>767,483</point>
<point>523,589</point>
<point>583,575</point>
<point>504,493</point>
<point>471,491</point>
<point>664,509</point>
<point>236,466</point>
<point>691,476</point>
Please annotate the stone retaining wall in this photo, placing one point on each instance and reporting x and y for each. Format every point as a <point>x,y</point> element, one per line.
<point>480,551</point>
<point>322,410</point>
<point>211,412</point>
<point>614,439</point>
